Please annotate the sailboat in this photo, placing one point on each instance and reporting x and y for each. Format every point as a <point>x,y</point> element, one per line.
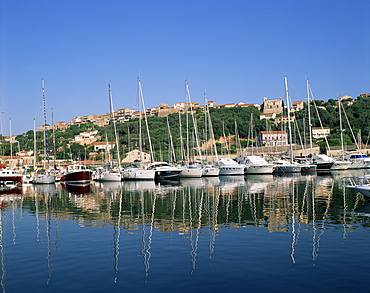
<point>285,166</point>
<point>139,172</point>
<point>112,174</point>
<point>307,165</point>
<point>190,169</point>
<point>208,169</point>
<point>255,164</point>
<point>340,164</point>
<point>44,175</point>
<point>358,159</point>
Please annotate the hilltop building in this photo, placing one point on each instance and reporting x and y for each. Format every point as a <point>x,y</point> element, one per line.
<point>297,106</point>
<point>272,106</point>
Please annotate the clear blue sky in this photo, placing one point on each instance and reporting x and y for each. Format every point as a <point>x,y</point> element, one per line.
<point>235,50</point>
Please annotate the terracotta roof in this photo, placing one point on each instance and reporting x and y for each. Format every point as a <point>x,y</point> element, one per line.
<point>273,132</point>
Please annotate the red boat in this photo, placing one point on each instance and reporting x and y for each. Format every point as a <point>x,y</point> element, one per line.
<point>77,174</point>
<point>9,175</point>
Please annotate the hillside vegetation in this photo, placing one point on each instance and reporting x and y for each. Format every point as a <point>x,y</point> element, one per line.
<point>225,122</point>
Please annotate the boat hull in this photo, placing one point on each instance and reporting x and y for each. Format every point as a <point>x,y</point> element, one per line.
<point>138,174</point>
<point>287,169</point>
<point>191,172</point>
<point>231,170</point>
<point>210,172</point>
<point>111,177</point>
<point>341,165</point>
<point>167,174</point>
<point>308,168</point>
<point>78,177</point>
<point>324,167</point>
<point>11,178</point>
<point>261,169</point>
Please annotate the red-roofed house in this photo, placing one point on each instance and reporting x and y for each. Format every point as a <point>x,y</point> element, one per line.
<point>273,138</point>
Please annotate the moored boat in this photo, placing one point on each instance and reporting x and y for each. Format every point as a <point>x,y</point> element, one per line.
<point>10,176</point>
<point>359,161</point>
<point>255,164</point>
<point>77,174</point>
<point>210,171</point>
<point>229,167</point>
<point>191,170</point>
<point>323,163</point>
<point>286,167</point>
<point>164,170</point>
<point>137,173</point>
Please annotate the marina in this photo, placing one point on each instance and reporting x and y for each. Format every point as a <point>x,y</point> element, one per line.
<point>230,233</point>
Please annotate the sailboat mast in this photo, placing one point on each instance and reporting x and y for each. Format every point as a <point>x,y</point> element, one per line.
<point>205,125</point>
<point>34,145</point>
<point>309,117</point>
<point>194,126</point>
<point>340,125</point>
<point>11,139</point>
<point>139,109</point>
<point>288,111</point>
<point>181,141</point>
<point>187,121</point>
<point>114,124</point>
<point>46,146</point>
<point>146,120</point>
<point>54,149</point>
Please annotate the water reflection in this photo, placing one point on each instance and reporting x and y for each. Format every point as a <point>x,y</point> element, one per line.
<point>197,211</point>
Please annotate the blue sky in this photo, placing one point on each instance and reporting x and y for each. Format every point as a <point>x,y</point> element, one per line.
<point>236,51</point>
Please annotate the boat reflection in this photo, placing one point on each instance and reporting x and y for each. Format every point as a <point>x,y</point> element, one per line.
<point>77,188</point>
<point>198,211</point>
<point>139,185</point>
<point>45,189</point>
<point>363,210</point>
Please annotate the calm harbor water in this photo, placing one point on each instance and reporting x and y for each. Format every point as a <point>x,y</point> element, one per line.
<point>245,233</point>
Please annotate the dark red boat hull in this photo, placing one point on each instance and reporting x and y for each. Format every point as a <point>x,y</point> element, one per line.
<point>77,177</point>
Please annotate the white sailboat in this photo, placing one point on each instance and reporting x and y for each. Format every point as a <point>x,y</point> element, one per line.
<point>341,164</point>
<point>307,165</point>
<point>190,169</point>
<point>44,175</point>
<point>208,169</point>
<point>112,174</point>
<point>255,164</point>
<point>285,166</point>
<point>140,172</point>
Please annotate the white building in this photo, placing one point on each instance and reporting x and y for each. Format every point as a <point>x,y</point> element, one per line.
<point>102,145</point>
<point>320,132</point>
<point>273,138</point>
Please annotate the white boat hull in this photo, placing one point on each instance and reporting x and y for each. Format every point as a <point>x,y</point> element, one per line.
<point>191,172</point>
<point>111,177</point>
<point>138,174</point>
<point>341,165</point>
<point>262,169</point>
<point>231,170</point>
<point>210,171</point>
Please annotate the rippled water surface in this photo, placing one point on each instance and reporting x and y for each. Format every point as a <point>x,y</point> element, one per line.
<point>252,233</point>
